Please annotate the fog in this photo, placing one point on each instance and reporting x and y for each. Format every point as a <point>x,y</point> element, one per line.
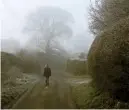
<point>14,15</point>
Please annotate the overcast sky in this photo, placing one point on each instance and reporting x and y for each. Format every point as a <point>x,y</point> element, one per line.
<point>13,15</point>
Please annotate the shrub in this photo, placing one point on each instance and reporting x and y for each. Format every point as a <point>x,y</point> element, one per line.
<point>8,60</point>
<point>27,64</point>
<point>108,60</point>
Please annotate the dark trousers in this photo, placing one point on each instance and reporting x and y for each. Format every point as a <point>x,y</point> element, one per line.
<point>47,81</point>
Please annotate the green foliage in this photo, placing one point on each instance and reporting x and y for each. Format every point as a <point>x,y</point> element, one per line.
<point>27,65</point>
<point>8,60</point>
<point>88,97</point>
<point>108,60</point>
<point>76,67</point>
<point>55,62</point>
<point>30,65</point>
<point>31,62</point>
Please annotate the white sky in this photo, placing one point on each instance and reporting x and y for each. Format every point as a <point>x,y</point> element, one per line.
<point>13,14</point>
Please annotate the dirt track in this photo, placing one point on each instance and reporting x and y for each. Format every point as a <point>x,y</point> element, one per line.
<point>56,96</point>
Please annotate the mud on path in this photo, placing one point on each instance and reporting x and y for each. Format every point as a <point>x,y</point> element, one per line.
<point>56,96</point>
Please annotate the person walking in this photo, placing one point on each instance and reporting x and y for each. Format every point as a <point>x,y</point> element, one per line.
<point>47,74</point>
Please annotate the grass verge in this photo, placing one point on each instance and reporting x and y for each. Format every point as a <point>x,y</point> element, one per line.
<point>85,96</point>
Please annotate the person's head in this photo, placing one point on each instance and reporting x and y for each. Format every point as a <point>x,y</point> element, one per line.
<point>46,65</point>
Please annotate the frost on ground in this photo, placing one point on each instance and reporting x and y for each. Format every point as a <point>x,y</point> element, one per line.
<point>15,84</point>
<point>78,80</point>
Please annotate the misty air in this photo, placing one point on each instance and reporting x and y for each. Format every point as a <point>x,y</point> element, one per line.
<point>64,54</point>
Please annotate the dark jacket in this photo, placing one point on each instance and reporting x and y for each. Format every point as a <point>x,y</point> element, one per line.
<point>47,72</point>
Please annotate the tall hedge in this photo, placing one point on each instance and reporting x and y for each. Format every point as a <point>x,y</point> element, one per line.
<point>108,60</point>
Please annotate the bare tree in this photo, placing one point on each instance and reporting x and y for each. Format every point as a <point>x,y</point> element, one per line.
<point>47,24</point>
<point>107,12</point>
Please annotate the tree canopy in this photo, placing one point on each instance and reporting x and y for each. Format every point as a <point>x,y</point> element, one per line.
<point>49,23</point>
